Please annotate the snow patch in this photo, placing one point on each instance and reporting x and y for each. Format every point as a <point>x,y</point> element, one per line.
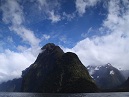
<point>88,68</point>
<point>91,72</point>
<point>112,72</point>
<point>97,68</point>
<point>109,64</point>
<point>92,77</point>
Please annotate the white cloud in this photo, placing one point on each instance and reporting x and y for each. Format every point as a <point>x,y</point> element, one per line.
<point>63,39</point>
<point>81,5</point>
<point>13,13</point>
<point>86,34</point>
<point>102,50</point>
<point>50,9</point>
<point>111,48</point>
<point>54,17</point>
<point>46,37</point>
<point>12,63</point>
<point>21,48</point>
<point>69,17</point>
<point>53,12</point>
<point>26,34</point>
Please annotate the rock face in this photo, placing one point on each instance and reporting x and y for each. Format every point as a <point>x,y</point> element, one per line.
<point>106,76</point>
<point>125,86</point>
<point>11,86</point>
<point>125,73</point>
<point>55,71</point>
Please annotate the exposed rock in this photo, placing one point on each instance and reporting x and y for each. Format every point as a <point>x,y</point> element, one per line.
<point>106,76</point>
<point>125,86</point>
<point>11,85</point>
<point>55,71</point>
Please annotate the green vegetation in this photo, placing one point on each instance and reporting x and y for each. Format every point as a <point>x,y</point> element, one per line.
<point>55,71</point>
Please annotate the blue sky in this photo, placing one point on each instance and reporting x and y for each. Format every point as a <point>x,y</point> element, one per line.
<point>65,22</point>
<point>96,30</point>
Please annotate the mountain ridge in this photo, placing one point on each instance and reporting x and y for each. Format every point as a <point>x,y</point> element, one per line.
<point>61,72</point>
<point>57,72</point>
<point>106,76</point>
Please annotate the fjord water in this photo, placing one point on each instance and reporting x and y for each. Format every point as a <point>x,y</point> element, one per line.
<point>118,94</point>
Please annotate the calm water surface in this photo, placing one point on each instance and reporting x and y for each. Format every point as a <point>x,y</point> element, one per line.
<point>120,94</point>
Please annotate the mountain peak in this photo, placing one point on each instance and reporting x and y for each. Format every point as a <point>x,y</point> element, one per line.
<point>108,64</point>
<point>106,76</point>
<point>48,46</point>
<point>55,71</point>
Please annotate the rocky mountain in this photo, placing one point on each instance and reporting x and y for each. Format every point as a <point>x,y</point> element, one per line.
<point>125,73</point>
<point>125,85</point>
<point>106,76</point>
<point>55,71</point>
<point>11,85</point>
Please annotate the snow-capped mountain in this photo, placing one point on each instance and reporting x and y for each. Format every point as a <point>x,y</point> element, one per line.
<point>106,76</point>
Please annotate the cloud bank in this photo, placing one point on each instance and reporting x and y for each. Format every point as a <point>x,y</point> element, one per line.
<point>113,47</point>
<point>13,62</point>
<point>110,48</point>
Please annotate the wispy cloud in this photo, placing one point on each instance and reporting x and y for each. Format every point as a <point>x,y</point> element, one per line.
<point>112,47</point>
<point>54,17</point>
<point>2,43</point>
<point>86,34</point>
<point>46,37</point>
<point>82,5</point>
<point>10,39</point>
<point>26,34</point>
<point>69,17</point>
<point>13,14</point>
<point>50,9</point>
<point>12,63</point>
<point>63,39</point>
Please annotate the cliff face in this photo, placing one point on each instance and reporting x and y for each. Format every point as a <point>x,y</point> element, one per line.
<point>55,71</point>
<point>125,86</point>
<point>11,86</point>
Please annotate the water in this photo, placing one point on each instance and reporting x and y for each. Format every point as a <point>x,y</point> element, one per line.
<point>118,94</point>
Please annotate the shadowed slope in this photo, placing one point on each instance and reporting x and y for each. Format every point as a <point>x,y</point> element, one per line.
<point>55,71</point>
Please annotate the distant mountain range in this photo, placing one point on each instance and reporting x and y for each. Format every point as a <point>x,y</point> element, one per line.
<point>57,72</point>
<point>106,76</point>
<point>54,72</point>
<point>11,85</point>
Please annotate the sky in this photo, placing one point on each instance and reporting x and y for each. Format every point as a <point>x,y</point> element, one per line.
<point>96,30</point>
